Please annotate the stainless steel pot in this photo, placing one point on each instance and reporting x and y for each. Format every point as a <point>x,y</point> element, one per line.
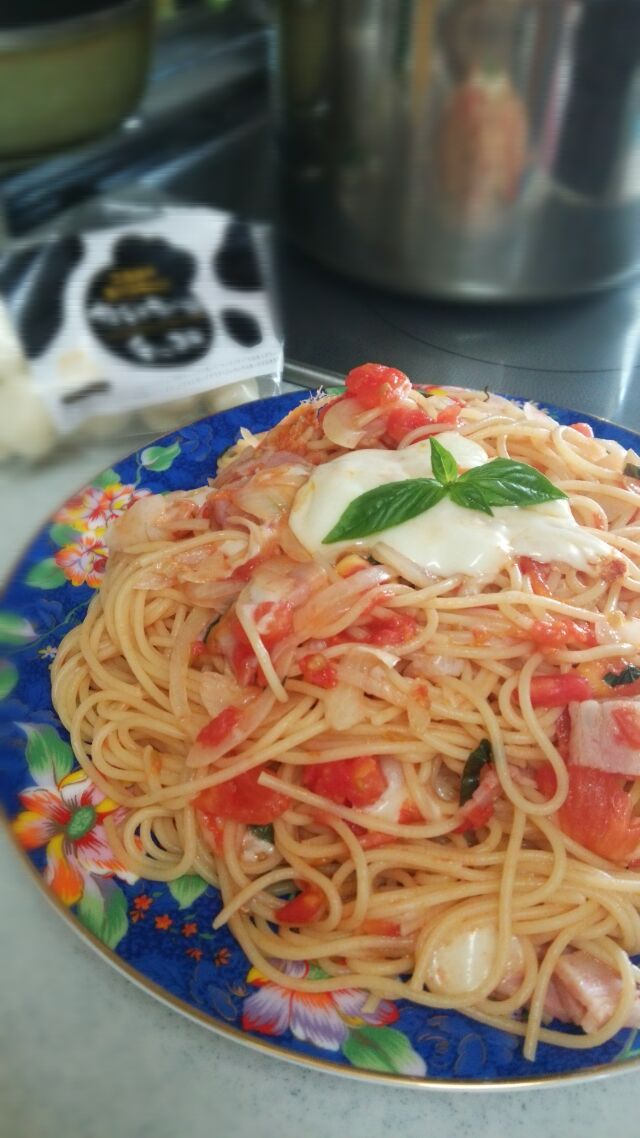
<point>476,149</point>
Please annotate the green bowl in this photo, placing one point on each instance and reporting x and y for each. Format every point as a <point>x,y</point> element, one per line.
<point>68,82</point>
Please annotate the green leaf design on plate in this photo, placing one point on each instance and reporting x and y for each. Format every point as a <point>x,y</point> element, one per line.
<point>8,678</point>
<point>46,753</point>
<point>116,921</point>
<point>159,458</point>
<point>46,575</point>
<point>382,1049</point>
<point>103,910</point>
<point>90,909</point>
<point>63,535</point>
<point>187,889</point>
<point>107,478</point>
<point>15,629</point>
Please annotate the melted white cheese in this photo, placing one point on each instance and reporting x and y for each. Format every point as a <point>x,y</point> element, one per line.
<point>447,539</point>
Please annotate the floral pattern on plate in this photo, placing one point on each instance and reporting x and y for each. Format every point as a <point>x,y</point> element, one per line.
<point>164,932</point>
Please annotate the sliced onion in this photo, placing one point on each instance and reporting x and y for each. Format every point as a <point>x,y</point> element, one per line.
<point>251,717</point>
<point>419,717</point>
<point>340,423</point>
<point>345,706</point>
<point>373,678</point>
<point>331,609</point>
<point>196,621</point>
<point>218,691</point>
<point>429,666</point>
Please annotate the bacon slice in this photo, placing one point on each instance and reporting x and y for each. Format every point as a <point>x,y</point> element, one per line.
<point>605,734</point>
<point>586,991</point>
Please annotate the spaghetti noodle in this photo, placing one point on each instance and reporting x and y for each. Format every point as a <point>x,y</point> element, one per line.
<point>372,759</point>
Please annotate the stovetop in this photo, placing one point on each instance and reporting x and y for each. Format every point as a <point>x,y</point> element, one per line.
<point>215,145</point>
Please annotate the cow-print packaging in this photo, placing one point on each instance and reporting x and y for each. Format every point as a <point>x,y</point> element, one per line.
<point>137,326</point>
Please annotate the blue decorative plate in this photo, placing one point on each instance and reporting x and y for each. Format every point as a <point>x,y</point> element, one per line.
<point>161,935</point>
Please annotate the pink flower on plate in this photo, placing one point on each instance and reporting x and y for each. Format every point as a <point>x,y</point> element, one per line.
<point>85,561</point>
<point>93,508</point>
<point>321,1018</point>
<point>68,818</point>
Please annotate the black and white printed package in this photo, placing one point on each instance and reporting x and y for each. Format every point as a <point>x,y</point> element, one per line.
<point>153,318</point>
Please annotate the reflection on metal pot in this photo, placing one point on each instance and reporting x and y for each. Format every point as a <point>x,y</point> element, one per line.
<point>482,149</point>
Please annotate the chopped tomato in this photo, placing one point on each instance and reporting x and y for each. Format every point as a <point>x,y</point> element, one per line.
<point>538,573</point>
<point>582,429</point>
<point>546,780</point>
<point>379,926</point>
<point>478,810</point>
<point>230,639</point>
<point>613,569</point>
<point>244,664</point>
<point>198,649</point>
<point>556,691</point>
<point>373,385</point>
<point>395,628</point>
<point>303,909</point>
<point>409,813</point>
<point>274,620</point>
<point>348,782</point>
<point>597,813</point>
<point>563,732</point>
<point>212,829</point>
<point>218,729</point>
<point>403,419</point>
<point>449,414</point>
<point>373,839</point>
<point>626,724</point>
<point>242,799</point>
<point>407,417</point>
<point>562,632</point>
<point>316,669</point>
<point>245,571</point>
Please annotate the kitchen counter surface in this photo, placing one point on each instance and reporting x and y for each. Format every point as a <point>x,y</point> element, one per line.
<point>86,1054</point>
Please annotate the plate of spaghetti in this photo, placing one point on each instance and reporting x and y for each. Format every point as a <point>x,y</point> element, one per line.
<point>320,718</point>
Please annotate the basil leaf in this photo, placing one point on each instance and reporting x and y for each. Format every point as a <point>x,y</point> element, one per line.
<point>385,506</point>
<point>265,833</point>
<point>471,773</point>
<point>470,496</point>
<point>628,675</point>
<point>504,482</point>
<point>443,464</point>
<point>631,470</point>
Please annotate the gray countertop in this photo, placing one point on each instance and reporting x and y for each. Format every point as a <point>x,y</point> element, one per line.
<point>86,1054</point>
